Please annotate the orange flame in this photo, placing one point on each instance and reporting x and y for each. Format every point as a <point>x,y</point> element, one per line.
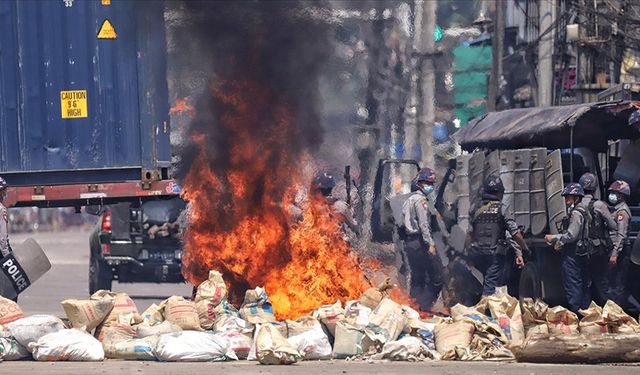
<point>181,106</point>
<point>239,220</point>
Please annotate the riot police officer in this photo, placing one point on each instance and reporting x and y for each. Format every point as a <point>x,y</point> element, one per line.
<point>5,249</point>
<point>424,263</point>
<point>601,224</point>
<point>574,242</point>
<point>323,184</point>
<point>619,192</point>
<point>491,221</point>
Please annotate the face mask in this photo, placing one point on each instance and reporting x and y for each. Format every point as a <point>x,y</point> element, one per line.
<point>571,207</point>
<point>613,199</point>
<point>427,189</point>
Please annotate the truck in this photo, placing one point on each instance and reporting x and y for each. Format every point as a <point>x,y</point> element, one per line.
<point>84,122</point>
<point>536,151</point>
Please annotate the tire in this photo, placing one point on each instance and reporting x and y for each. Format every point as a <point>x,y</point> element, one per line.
<point>100,275</point>
<point>530,282</point>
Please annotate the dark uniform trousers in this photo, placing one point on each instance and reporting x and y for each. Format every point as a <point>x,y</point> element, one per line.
<point>492,265</point>
<point>576,278</point>
<point>426,271</point>
<point>599,272</point>
<point>618,278</point>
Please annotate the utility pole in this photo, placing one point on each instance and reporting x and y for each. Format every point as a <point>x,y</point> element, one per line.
<point>427,114</point>
<point>547,11</point>
<point>411,134</point>
<point>498,53</point>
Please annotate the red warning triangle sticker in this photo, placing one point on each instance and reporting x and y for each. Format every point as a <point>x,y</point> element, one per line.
<point>107,31</point>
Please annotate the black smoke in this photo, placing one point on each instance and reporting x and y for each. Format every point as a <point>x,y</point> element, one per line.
<point>267,42</point>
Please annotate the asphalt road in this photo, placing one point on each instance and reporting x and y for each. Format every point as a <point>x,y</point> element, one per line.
<point>68,277</point>
<point>69,255</point>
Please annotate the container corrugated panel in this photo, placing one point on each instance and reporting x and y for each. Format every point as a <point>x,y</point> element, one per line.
<point>47,47</point>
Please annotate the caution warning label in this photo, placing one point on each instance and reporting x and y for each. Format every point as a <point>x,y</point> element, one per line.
<point>73,104</point>
<point>107,31</point>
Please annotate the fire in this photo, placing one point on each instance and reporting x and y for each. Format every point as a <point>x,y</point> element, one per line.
<point>239,218</point>
<point>181,106</point>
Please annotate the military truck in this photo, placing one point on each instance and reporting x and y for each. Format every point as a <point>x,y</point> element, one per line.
<point>536,151</point>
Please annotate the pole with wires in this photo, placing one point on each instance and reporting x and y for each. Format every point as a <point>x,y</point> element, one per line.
<point>545,53</point>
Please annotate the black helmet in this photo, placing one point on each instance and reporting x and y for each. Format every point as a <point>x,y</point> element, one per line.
<point>573,189</point>
<point>323,181</point>
<point>589,182</point>
<point>493,185</point>
<point>3,184</point>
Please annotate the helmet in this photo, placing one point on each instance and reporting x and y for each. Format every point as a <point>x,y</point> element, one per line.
<point>493,185</point>
<point>573,188</point>
<point>323,180</point>
<point>589,182</point>
<point>427,175</point>
<point>634,118</point>
<point>621,187</point>
<point>3,184</point>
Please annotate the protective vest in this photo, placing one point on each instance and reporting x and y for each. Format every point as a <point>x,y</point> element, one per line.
<point>488,225</point>
<point>598,233</point>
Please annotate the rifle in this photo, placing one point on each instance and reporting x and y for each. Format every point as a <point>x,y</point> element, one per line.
<point>347,178</point>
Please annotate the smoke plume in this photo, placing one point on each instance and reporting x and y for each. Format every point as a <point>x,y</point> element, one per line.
<point>260,42</point>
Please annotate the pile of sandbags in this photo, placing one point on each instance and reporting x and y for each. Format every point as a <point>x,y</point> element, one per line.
<point>210,328</point>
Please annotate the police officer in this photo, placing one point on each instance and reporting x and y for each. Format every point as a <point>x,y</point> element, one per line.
<point>424,262</point>
<point>323,184</point>
<point>601,224</point>
<point>572,242</point>
<point>491,221</point>
<point>619,192</point>
<point>4,221</point>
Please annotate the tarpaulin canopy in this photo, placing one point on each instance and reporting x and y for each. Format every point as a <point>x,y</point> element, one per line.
<point>593,125</point>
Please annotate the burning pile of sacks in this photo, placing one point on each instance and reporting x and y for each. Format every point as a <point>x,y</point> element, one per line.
<point>108,325</point>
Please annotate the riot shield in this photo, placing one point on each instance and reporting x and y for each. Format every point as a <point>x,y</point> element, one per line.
<point>476,177</point>
<point>521,194</point>
<point>507,167</point>
<point>554,184</point>
<point>537,197</point>
<point>22,267</point>
<point>492,164</point>
<point>462,182</point>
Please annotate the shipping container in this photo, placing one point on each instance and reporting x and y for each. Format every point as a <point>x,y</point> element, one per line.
<point>51,60</point>
<point>83,93</point>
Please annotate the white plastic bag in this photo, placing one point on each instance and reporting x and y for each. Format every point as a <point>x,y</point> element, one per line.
<point>240,343</point>
<point>30,329</point>
<point>313,344</point>
<point>67,345</point>
<point>133,349</point>
<point>193,346</point>
<point>145,330</point>
<point>408,348</point>
<point>10,348</point>
<point>233,324</point>
<point>357,314</point>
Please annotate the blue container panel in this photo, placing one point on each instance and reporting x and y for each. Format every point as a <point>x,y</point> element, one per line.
<point>47,47</point>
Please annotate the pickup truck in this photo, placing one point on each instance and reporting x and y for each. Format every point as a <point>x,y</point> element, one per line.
<point>137,243</point>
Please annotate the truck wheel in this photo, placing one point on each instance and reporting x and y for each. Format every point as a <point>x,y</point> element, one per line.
<point>99,275</point>
<point>530,283</point>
